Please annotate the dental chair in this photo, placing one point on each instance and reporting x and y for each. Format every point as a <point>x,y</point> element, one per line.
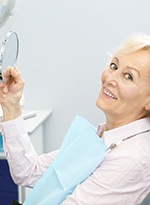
<point>146,200</point>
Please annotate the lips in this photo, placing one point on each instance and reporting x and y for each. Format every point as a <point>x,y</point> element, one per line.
<point>109,93</point>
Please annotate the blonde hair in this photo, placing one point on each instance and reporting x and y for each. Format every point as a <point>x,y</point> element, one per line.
<point>134,43</point>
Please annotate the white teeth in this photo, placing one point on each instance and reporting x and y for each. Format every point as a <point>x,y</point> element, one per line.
<point>109,94</point>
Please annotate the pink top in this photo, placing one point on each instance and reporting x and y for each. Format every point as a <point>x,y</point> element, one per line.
<point>122,178</point>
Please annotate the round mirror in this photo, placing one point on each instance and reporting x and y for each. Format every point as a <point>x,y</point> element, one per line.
<point>9,51</point>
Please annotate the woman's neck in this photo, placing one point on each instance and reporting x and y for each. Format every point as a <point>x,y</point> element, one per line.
<point>117,121</point>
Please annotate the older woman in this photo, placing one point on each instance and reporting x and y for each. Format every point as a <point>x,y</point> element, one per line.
<point>124,175</point>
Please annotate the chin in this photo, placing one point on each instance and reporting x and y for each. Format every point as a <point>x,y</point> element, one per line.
<point>100,104</point>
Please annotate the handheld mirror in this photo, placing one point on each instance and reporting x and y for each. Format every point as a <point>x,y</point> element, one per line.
<point>9,51</point>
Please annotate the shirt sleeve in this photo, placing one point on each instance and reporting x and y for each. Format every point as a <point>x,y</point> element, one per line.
<point>26,167</point>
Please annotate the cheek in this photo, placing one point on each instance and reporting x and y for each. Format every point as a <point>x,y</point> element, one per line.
<point>128,93</point>
<point>103,76</point>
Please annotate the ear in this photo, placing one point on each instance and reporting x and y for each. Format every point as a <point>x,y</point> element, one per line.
<point>147,106</point>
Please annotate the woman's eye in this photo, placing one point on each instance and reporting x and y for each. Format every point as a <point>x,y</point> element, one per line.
<point>113,66</point>
<point>128,76</point>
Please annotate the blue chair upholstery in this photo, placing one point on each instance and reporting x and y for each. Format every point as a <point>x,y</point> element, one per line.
<point>146,200</point>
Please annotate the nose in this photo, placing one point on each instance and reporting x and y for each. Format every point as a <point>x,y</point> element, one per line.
<point>110,78</point>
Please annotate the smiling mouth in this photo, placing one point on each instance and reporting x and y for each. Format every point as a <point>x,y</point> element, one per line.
<point>108,93</point>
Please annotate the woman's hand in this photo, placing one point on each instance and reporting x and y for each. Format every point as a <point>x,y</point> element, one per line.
<point>11,89</point>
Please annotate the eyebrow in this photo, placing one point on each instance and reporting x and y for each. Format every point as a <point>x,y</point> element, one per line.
<point>131,68</point>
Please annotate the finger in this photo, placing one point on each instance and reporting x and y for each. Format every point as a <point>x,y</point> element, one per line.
<point>5,89</point>
<point>1,84</point>
<point>12,74</point>
<point>6,75</point>
<point>15,73</point>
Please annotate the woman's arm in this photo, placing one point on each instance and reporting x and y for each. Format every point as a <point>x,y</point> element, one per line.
<point>25,165</point>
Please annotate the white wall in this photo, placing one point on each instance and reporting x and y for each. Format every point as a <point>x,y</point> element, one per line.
<point>63,50</point>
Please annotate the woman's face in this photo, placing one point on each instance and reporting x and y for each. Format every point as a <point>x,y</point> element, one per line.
<point>125,91</point>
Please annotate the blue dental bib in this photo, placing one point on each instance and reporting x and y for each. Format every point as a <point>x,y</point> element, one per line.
<point>80,154</point>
